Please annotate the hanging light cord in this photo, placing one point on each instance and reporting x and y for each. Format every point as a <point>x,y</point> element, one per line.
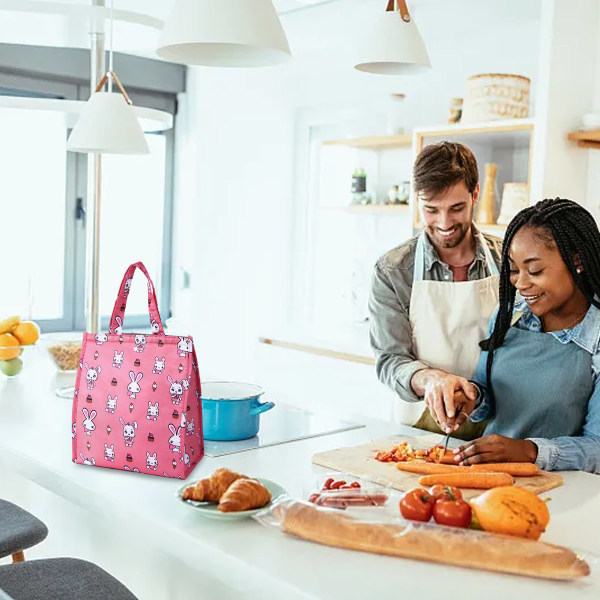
<point>110,50</point>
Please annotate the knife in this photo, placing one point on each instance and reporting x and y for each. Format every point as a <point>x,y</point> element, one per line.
<point>459,402</point>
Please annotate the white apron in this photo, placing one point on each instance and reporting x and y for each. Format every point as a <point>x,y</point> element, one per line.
<point>448,320</point>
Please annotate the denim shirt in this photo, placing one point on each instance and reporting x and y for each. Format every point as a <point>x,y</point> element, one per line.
<point>389,305</point>
<point>565,452</point>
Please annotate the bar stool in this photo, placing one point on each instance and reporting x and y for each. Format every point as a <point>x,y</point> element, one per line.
<point>19,530</point>
<point>59,579</point>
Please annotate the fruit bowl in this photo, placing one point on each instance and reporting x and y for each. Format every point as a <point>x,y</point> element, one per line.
<point>16,337</point>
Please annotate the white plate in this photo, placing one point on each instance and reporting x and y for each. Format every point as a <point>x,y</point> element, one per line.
<point>209,509</point>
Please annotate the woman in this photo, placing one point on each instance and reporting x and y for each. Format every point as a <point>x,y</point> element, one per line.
<point>538,377</point>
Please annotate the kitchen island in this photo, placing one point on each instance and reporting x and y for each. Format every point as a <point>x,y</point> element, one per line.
<point>134,526</point>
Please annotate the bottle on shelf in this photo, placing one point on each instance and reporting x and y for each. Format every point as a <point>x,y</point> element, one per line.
<point>359,187</point>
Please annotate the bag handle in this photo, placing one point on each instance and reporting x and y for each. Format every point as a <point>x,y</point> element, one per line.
<point>118,314</point>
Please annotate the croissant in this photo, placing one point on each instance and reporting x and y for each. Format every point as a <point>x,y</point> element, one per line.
<point>211,489</point>
<point>244,494</point>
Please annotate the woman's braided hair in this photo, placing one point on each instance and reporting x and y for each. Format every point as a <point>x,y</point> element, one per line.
<point>575,233</point>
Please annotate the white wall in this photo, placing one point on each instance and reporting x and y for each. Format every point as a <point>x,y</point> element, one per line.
<point>238,159</point>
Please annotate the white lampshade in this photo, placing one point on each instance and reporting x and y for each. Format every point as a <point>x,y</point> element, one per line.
<point>393,47</point>
<point>224,33</point>
<point>108,125</point>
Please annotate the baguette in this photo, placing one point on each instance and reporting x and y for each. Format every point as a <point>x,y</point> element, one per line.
<point>514,469</point>
<point>452,546</point>
<point>480,481</point>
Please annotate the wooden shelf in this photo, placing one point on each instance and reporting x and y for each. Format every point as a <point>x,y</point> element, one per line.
<point>509,133</point>
<point>384,142</point>
<point>373,209</point>
<point>586,138</point>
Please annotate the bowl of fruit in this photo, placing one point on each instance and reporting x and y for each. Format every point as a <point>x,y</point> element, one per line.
<point>16,338</point>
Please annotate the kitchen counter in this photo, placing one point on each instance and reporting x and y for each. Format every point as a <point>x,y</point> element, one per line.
<point>246,558</point>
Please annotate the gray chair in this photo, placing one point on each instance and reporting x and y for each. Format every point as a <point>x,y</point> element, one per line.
<point>19,530</point>
<point>59,579</point>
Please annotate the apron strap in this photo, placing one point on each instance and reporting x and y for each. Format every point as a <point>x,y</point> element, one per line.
<point>419,264</point>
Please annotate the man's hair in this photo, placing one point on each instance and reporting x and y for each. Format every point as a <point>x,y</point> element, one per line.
<point>563,224</point>
<point>440,166</point>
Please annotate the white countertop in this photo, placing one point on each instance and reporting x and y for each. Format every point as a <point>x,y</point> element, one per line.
<point>35,441</point>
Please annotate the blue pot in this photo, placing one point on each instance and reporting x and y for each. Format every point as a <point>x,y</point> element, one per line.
<point>230,410</point>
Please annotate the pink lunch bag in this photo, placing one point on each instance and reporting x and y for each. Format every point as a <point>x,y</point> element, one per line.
<point>137,400</point>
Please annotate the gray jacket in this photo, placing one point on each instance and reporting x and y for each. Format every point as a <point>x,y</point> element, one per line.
<point>389,304</point>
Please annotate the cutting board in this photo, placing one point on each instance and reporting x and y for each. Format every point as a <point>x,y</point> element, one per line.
<point>360,461</point>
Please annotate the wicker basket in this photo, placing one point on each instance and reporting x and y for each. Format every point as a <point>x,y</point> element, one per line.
<point>494,96</point>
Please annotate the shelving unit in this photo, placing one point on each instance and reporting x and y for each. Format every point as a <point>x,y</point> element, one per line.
<point>586,138</point>
<point>505,136</point>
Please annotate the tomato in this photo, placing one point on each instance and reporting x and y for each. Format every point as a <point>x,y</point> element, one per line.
<point>456,513</point>
<point>417,505</point>
<point>447,492</point>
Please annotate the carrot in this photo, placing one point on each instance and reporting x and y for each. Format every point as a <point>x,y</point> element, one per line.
<point>514,469</point>
<point>476,480</point>
<point>427,468</point>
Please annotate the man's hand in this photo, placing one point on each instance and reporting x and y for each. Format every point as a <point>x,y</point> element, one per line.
<point>443,393</point>
<point>495,448</point>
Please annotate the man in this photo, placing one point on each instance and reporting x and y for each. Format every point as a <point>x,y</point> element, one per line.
<point>432,296</point>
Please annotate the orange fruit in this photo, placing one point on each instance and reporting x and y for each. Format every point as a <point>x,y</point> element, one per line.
<point>27,332</point>
<point>9,346</point>
<point>511,510</point>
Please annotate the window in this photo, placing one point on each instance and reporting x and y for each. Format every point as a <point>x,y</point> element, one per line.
<point>43,191</point>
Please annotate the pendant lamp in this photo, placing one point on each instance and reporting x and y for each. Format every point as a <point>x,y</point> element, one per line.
<point>224,33</point>
<point>108,123</point>
<point>394,46</point>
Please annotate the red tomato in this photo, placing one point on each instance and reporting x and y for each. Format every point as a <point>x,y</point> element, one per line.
<point>447,492</point>
<point>456,513</point>
<point>417,505</point>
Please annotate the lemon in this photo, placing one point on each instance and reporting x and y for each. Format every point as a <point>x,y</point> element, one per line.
<point>9,346</point>
<point>9,324</point>
<point>27,332</point>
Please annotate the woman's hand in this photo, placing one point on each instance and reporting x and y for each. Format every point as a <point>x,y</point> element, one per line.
<point>495,448</point>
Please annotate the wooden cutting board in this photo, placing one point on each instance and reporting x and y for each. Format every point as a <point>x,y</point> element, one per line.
<point>360,461</point>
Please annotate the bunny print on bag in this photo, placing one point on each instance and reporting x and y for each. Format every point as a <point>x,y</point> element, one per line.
<point>154,326</point>
<point>186,383</point>
<point>92,375</point>
<point>190,427</point>
<point>128,431</point>
<point>159,365</point>
<point>111,404</point>
<point>140,343</point>
<point>87,461</point>
<point>119,328</point>
<point>134,387</point>
<point>185,458</point>
<point>73,431</point>
<point>109,452</point>
<point>176,390</point>
<point>118,359</point>
<point>127,288</point>
<point>184,345</point>
<point>100,338</point>
<point>88,423</point>
<point>151,461</point>
<point>175,439</point>
<point>152,411</point>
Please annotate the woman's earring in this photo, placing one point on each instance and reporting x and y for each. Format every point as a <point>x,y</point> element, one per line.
<point>579,269</point>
